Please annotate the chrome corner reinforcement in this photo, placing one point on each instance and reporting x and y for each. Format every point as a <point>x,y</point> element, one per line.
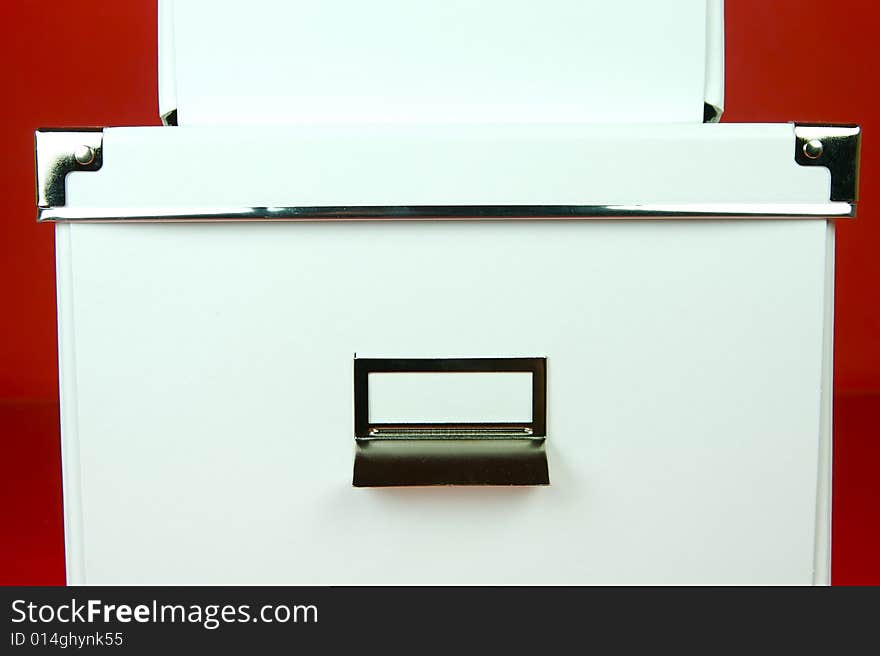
<point>835,147</point>
<point>62,151</point>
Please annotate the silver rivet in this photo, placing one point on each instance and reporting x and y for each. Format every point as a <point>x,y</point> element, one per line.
<point>84,155</point>
<point>813,149</point>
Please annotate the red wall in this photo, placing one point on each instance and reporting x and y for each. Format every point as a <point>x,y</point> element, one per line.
<point>93,62</point>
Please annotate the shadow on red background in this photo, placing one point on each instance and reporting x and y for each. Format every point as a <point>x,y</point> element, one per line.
<point>93,62</point>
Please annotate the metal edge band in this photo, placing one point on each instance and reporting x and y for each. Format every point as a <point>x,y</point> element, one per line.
<point>837,148</point>
<point>62,151</point>
<point>648,211</point>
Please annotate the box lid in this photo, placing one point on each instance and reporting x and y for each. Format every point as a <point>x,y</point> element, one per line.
<point>457,61</point>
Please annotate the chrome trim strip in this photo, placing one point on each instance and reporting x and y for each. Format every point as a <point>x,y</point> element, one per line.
<point>830,210</point>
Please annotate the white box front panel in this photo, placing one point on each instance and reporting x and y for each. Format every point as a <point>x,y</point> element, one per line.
<point>207,399</point>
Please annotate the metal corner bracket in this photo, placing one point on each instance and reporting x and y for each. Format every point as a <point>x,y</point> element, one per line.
<point>711,113</point>
<point>837,148</point>
<point>63,151</point>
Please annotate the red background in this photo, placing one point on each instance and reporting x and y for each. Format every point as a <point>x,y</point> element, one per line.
<point>93,62</point>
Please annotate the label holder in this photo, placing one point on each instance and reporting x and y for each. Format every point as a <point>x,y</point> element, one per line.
<point>390,454</point>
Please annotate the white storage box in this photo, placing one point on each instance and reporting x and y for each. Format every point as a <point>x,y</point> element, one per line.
<point>403,351</point>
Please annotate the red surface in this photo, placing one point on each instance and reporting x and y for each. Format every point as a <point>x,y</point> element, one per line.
<point>93,62</point>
